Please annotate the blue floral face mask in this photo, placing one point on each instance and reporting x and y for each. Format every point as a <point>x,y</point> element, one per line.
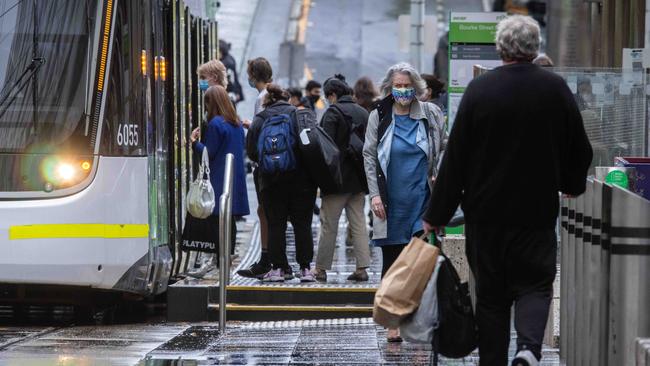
<point>403,96</point>
<point>203,85</point>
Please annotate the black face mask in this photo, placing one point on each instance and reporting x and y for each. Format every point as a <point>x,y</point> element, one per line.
<point>313,99</point>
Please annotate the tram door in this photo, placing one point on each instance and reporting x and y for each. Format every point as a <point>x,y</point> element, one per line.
<point>159,149</point>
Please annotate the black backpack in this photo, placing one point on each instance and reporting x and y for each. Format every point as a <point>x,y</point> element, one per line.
<point>319,152</point>
<point>354,150</point>
<point>456,335</point>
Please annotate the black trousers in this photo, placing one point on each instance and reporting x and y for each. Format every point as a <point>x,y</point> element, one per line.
<point>295,203</point>
<point>511,265</point>
<point>389,254</point>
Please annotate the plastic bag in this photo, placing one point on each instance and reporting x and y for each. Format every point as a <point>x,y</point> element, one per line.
<point>419,327</point>
<point>200,197</point>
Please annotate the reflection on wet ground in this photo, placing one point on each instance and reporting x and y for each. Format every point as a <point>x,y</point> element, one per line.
<point>308,342</point>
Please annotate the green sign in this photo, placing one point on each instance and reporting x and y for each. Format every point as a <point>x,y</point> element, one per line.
<point>617,177</point>
<point>472,32</point>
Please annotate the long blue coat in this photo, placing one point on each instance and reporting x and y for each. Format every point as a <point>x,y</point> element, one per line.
<point>221,138</point>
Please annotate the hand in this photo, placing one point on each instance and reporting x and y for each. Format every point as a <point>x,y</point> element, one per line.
<point>378,207</point>
<point>428,228</point>
<point>433,179</point>
<point>246,123</point>
<point>195,134</point>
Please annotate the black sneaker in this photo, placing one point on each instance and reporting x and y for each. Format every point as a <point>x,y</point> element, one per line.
<point>288,273</point>
<point>257,270</point>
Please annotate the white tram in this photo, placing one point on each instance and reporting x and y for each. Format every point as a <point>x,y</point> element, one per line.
<point>97,101</point>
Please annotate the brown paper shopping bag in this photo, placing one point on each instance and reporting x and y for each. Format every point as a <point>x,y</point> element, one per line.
<point>401,289</point>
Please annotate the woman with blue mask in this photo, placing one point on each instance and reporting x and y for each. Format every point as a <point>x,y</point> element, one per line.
<point>405,139</point>
<point>212,73</point>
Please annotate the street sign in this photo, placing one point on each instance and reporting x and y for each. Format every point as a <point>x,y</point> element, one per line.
<point>471,42</point>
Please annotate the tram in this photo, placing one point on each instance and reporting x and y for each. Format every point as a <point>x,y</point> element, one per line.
<point>97,101</point>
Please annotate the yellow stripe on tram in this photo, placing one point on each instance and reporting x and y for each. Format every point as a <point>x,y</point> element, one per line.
<point>52,231</point>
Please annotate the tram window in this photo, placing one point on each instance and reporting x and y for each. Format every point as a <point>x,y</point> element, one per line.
<point>44,75</point>
<point>123,131</point>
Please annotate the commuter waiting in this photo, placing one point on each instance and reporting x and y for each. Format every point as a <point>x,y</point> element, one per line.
<point>286,189</point>
<point>342,119</point>
<point>260,75</point>
<point>223,135</point>
<point>365,93</point>
<point>518,139</point>
<point>312,94</point>
<point>404,141</point>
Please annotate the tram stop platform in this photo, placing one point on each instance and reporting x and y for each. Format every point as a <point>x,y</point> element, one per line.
<point>251,299</point>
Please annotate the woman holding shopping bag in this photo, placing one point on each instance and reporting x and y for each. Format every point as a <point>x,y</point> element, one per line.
<point>224,135</point>
<point>405,139</point>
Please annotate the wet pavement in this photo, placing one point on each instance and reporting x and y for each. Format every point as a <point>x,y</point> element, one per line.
<point>309,342</point>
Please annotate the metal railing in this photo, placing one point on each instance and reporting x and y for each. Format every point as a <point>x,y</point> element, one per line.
<point>605,276</point>
<point>225,236</point>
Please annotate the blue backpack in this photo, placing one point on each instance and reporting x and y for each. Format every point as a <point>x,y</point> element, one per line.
<point>275,145</point>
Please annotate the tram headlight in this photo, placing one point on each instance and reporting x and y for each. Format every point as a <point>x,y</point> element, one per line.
<point>61,172</point>
<point>65,172</point>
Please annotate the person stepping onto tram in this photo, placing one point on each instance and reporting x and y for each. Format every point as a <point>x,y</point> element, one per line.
<point>341,120</point>
<point>223,135</point>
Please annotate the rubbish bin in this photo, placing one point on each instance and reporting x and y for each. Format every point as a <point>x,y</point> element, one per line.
<point>642,177</point>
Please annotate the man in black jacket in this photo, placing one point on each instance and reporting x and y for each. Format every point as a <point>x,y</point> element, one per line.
<point>517,140</point>
<point>338,121</point>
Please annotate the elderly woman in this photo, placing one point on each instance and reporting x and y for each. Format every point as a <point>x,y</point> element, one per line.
<point>404,141</point>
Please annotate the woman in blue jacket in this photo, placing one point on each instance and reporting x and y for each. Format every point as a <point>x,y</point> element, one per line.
<point>224,134</point>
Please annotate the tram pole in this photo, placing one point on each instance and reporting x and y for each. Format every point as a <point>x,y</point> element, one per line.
<point>225,236</point>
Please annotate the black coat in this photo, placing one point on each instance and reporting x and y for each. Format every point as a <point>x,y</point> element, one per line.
<point>517,140</point>
<point>298,177</point>
<point>338,128</point>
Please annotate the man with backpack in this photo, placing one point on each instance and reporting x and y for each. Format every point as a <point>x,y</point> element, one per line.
<point>345,122</point>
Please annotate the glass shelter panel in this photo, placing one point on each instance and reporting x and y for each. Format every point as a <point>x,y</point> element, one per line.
<point>613,107</point>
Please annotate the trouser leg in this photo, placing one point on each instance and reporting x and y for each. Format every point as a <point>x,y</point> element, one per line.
<point>389,254</point>
<point>330,213</point>
<point>263,223</point>
<point>301,204</point>
<point>532,270</point>
<point>485,254</point>
<point>276,206</point>
<point>358,229</point>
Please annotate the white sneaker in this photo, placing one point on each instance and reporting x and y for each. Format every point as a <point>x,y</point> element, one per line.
<point>525,358</point>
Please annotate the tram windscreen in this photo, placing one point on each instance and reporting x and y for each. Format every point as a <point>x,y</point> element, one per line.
<point>45,47</point>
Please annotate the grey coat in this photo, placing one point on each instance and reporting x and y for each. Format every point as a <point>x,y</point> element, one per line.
<point>376,149</point>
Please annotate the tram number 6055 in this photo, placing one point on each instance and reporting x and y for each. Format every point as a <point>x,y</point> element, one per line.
<point>127,135</point>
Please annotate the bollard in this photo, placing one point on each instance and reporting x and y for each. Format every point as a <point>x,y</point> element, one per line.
<point>225,235</point>
<point>571,289</point>
<point>587,275</point>
<point>642,353</point>
<point>564,237</point>
<point>585,314</point>
<point>606,215</point>
<point>629,298</point>
<point>580,335</point>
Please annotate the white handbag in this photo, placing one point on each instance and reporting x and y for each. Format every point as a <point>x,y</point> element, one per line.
<point>200,197</point>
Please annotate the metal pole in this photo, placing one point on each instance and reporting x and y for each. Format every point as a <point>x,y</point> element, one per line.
<point>564,282</point>
<point>225,235</point>
<point>417,33</point>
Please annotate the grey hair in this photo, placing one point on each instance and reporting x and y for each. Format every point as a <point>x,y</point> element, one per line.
<point>403,68</point>
<point>518,38</point>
